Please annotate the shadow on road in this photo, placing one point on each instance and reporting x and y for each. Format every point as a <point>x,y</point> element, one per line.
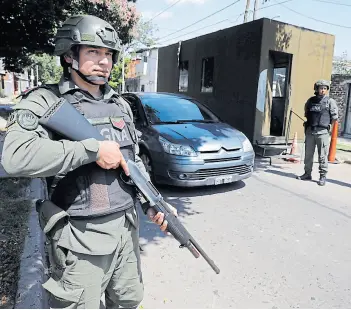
<point>293,175</point>
<point>180,198</point>
<point>282,173</point>
<point>304,196</point>
<point>339,183</point>
<point>262,164</point>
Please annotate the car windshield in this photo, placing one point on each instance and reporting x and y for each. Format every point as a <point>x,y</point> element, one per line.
<point>176,110</point>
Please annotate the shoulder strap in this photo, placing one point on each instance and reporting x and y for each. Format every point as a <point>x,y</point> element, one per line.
<point>52,87</point>
<point>325,101</point>
<point>126,107</point>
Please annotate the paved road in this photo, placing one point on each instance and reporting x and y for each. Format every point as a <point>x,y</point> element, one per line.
<point>279,242</point>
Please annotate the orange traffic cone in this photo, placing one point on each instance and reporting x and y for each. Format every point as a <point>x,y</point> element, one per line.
<point>293,150</point>
<point>333,141</point>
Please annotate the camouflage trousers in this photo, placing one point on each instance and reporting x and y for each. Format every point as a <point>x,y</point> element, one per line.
<point>78,281</point>
<point>322,143</point>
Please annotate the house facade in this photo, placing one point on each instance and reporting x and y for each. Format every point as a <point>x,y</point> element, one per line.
<point>143,72</point>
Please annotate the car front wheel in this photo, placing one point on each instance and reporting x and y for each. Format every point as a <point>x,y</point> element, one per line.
<point>145,158</point>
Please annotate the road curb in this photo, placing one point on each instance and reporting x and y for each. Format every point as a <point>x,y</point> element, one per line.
<point>343,161</point>
<point>30,293</point>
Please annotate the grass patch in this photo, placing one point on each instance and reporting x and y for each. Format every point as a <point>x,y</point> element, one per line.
<point>14,211</point>
<point>343,147</point>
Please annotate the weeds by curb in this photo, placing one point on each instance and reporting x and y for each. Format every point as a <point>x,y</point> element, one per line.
<point>14,210</point>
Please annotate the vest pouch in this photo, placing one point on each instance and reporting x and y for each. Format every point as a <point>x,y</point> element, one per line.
<point>51,218</point>
<point>71,191</point>
<point>120,194</point>
<point>325,120</point>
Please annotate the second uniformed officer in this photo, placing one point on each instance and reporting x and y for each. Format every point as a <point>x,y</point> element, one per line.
<point>90,220</point>
<point>321,112</point>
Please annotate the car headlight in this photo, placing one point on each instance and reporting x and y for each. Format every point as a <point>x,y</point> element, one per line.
<point>176,149</point>
<point>247,146</point>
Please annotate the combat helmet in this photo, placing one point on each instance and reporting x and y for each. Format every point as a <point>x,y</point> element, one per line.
<point>321,83</point>
<point>86,30</point>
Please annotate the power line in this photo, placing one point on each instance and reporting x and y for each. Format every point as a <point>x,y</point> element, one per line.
<point>238,16</point>
<point>201,19</point>
<point>315,19</point>
<point>261,8</point>
<point>185,34</point>
<point>330,2</point>
<point>166,9</point>
<point>227,19</point>
<point>268,6</point>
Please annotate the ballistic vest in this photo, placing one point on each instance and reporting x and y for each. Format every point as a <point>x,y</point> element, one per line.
<point>90,190</point>
<point>318,112</point>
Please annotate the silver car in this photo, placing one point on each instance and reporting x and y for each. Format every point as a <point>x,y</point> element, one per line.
<point>183,143</point>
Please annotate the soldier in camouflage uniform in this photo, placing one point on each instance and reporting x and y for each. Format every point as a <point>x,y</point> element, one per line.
<point>321,112</point>
<point>90,220</point>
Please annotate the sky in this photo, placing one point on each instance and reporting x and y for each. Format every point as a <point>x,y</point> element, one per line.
<point>329,16</point>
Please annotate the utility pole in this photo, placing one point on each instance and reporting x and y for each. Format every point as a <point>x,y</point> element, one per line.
<point>246,10</point>
<point>122,70</point>
<point>255,9</point>
<point>31,83</point>
<point>37,74</point>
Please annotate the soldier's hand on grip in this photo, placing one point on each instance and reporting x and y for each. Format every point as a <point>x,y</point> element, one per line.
<point>110,156</point>
<point>159,217</point>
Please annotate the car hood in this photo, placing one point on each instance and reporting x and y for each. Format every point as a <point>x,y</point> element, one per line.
<point>203,137</point>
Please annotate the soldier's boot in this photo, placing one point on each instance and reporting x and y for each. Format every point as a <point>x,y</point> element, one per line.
<point>322,180</point>
<point>305,177</point>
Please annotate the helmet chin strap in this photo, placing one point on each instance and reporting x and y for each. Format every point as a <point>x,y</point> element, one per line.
<point>88,78</point>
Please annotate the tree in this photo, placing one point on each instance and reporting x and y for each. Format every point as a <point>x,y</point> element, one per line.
<point>28,26</point>
<point>116,74</point>
<point>145,34</point>
<point>341,64</point>
<point>48,69</point>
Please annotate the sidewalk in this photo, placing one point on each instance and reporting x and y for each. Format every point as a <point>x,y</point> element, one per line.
<point>6,100</point>
<point>30,293</point>
<point>5,111</point>
<point>2,137</point>
<point>343,150</point>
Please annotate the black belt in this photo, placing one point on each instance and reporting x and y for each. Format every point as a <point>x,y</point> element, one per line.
<point>318,127</point>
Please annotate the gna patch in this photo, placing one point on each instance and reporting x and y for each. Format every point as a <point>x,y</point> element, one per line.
<point>118,122</point>
<point>27,119</point>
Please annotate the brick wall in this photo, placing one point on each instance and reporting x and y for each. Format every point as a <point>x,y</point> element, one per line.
<point>338,91</point>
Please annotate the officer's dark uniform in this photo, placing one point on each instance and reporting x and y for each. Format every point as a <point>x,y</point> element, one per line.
<point>320,111</point>
<point>94,246</point>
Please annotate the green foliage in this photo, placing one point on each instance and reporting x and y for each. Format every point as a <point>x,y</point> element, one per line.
<point>145,35</point>
<point>28,26</point>
<point>116,74</point>
<point>48,69</point>
<point>342,65</point>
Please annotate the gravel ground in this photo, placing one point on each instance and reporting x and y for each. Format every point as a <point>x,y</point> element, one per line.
<point>14,208</point>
